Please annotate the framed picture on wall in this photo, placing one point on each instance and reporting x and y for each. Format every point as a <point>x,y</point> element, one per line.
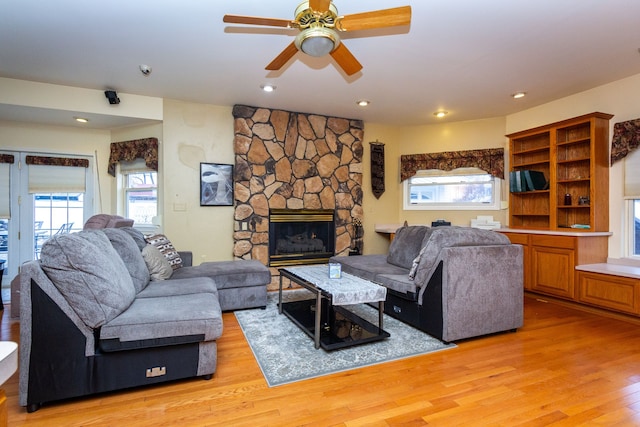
<point>216,184</point>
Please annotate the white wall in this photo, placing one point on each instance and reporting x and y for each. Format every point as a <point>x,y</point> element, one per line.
<point>619,98</point>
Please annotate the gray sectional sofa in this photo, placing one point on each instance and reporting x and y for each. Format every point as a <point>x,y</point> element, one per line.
<point>451,282</point>
<point>92,321</point>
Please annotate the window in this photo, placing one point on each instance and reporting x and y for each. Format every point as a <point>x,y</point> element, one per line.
<point>141,196</point>
<point>632,200</point>
<point>460,189</point>
<point>634,249</point>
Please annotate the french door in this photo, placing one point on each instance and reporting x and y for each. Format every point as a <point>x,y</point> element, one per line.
<point>44,200</point>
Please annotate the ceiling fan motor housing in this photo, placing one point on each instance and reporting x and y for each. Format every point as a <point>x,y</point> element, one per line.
<point>317,36</point>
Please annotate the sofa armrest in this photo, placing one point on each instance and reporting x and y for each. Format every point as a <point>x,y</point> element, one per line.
<point>187,258</point>
<point>482,290</point>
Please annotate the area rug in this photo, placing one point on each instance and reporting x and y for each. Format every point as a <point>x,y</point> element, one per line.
<point>286,354</point>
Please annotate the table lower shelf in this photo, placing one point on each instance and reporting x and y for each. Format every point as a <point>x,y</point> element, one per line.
<point>340,327</point>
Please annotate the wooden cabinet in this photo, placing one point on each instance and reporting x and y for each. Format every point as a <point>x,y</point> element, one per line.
<point>573,157</point>
<point>609,291</point>
<point>550,259</point>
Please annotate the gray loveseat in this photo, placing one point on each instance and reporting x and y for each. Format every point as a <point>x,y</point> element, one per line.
<point>91,320</point>
<point>451,282</point>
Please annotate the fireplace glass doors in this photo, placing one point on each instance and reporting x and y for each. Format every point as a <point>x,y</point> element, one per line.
<point>300,236</point>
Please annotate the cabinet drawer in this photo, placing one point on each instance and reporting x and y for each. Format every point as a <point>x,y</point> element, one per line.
<point>566,242</point>
<point>518,238</point>
<point>614,292</point>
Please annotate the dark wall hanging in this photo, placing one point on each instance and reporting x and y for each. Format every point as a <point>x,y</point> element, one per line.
<point>377,168</point>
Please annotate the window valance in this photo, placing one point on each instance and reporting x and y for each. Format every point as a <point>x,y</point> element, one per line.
<point>146,149</point>
<point>57,161</point>
<point>626,138</point>
<point>6,158</point>
<point>490,160</point>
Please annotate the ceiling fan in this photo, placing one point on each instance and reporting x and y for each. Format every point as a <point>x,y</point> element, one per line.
<point>320,25</point>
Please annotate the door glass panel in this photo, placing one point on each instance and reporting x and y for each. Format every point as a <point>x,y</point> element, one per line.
<point>56,213</point>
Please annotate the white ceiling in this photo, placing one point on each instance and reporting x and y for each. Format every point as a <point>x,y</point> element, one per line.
<point>464,56</point>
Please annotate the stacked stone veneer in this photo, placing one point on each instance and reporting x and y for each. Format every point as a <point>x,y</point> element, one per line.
<point>288,160</point>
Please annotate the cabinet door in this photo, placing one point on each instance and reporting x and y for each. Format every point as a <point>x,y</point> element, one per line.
<point>553,271</point>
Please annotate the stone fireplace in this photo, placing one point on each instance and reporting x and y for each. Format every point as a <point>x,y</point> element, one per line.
<point>294,161</point>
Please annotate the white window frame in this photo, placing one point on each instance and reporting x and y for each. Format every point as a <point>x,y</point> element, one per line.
<point>630,229</point>
<point>494,205</point>
<point>123,172</point>
<point>631,193</point>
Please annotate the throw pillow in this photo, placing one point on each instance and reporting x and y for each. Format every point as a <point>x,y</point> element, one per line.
<point>165,247</point>
<point>158,265</point>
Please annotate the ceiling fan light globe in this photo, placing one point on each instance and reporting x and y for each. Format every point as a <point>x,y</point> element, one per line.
<point>318,41</point>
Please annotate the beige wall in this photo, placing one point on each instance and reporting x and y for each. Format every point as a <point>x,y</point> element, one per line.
<point>383,210</point>
<point>455,136</point>
<point>194,133</point>
<point>57,140</point>
<point>619,98</point>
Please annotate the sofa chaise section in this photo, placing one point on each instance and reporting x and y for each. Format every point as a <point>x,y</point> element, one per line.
<point>451,282</point>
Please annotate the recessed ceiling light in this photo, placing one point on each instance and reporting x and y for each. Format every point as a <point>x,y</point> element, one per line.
<point>81,119</point>
<point>518,95</point>
<point>440,114</point>
<point>363,102</point>
<point>268,88</point>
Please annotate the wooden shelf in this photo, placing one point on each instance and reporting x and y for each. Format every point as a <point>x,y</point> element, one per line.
<point>573,156</point>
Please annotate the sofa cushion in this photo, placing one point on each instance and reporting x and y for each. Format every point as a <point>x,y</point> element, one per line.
<point>166,248</point>
<point>163,288</point>
<point>368,266</point>
<point>406,245</point>
<point>398,282</point>
<point>128,250</point>
<point>443,237</point>
<point>160,321</point>
<point>137,236</point>
<point>158,265</point>
<point>229,274</point>
<point>90,275</point>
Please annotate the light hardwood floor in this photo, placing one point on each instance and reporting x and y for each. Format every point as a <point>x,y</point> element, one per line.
<point>563,368</point>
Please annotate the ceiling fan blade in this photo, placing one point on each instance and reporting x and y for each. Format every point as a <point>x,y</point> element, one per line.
<point>319,5</point>
<point>282,59</point>
<point>376,19</point>
<point>255,20</point>
<point>346,60</point>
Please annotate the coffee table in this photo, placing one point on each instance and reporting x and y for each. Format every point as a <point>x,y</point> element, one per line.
<point>325,317</point>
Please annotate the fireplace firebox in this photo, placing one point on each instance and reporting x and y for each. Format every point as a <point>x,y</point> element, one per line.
<point>301,236</point>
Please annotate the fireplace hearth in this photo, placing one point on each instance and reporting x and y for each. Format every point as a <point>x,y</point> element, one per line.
<point>301,236</point>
